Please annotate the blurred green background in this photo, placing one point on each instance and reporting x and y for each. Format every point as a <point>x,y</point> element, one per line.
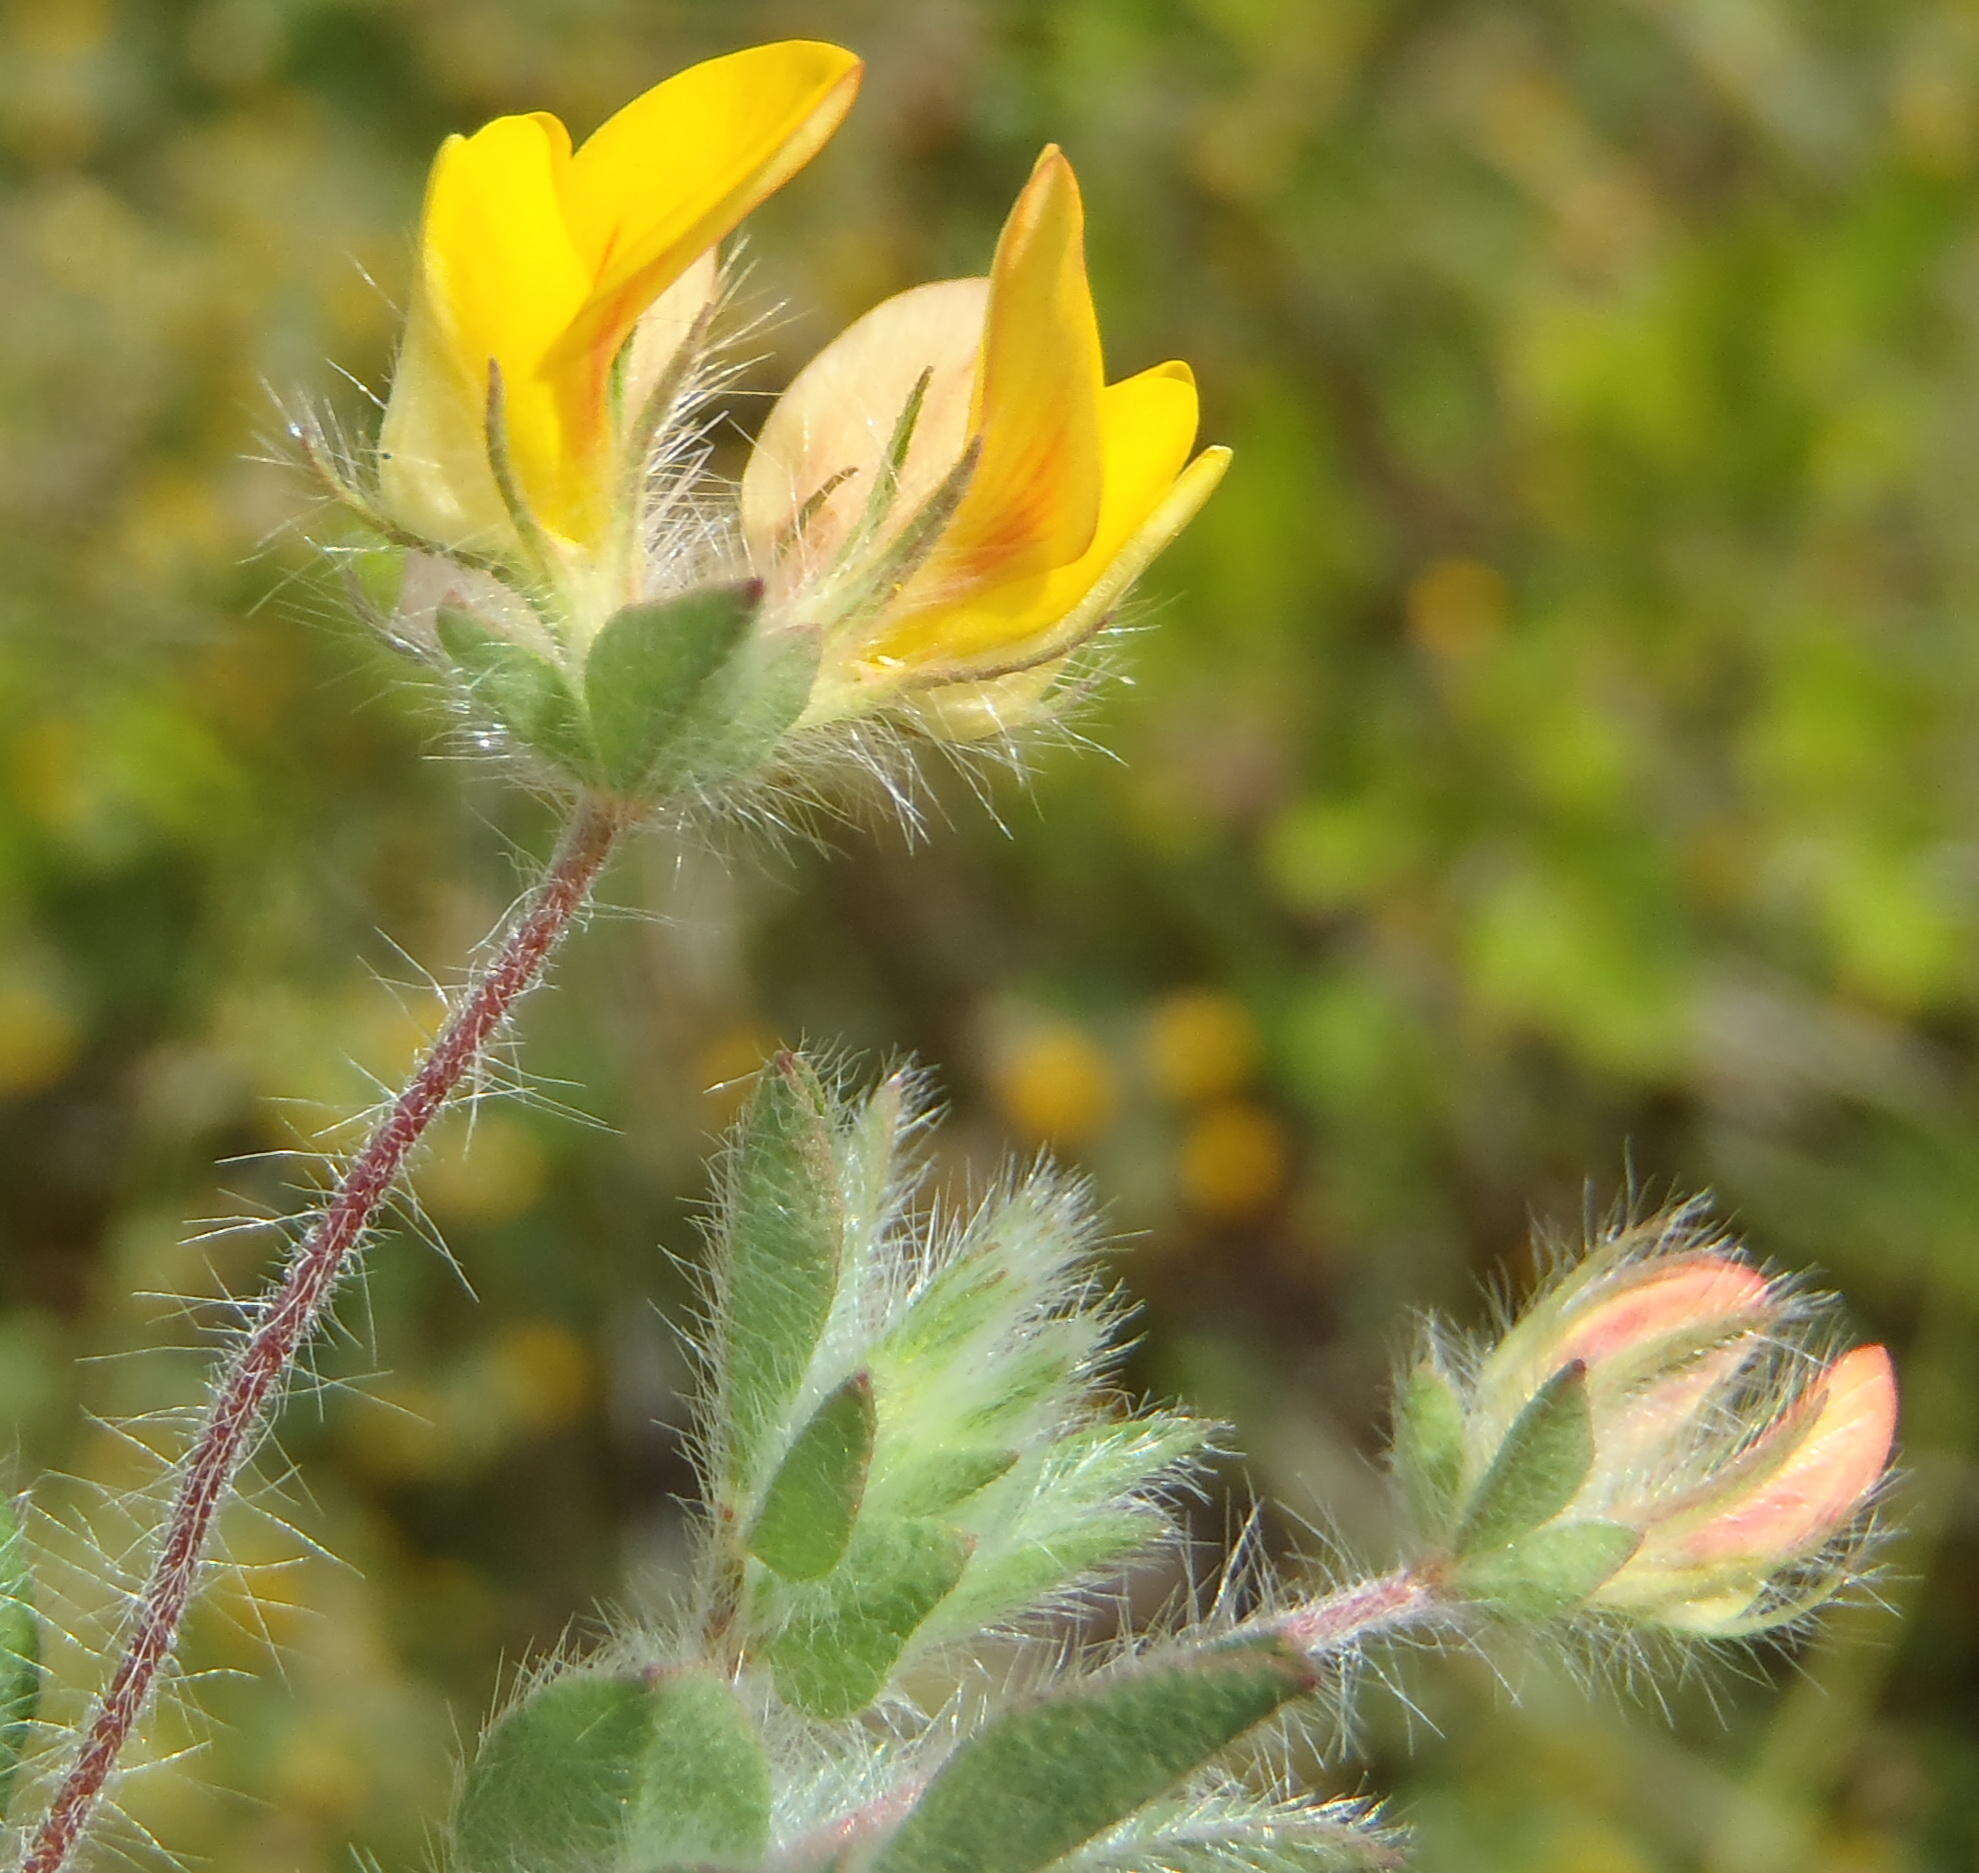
<point>1552,771</point>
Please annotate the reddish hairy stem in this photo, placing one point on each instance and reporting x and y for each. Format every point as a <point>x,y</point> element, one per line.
<point>1359,1612</point>
<point>252,1384</point>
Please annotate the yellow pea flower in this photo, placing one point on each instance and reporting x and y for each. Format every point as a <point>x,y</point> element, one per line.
<point>551,264</point>
<point>955,494</point>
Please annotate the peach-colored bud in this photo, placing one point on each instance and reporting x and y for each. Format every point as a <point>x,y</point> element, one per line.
<point>1834,1465</point>
<point>1681,1296</point>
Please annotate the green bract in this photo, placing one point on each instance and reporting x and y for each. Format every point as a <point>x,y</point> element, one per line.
<point>673,696</point>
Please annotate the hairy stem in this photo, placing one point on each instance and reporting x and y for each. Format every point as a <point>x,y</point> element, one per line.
<point>1366,1610</point>
<point>253,1381</point>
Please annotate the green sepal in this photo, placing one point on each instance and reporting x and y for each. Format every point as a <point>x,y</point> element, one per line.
<point>525,695</point>
<point>842,1638</point>
<point>886,484</point>
<point>1428,1451</point>
<point>1040,1781</point>
<point>1553,1570</point>
<point>781,1246</point>
<point>648,672</point>
<point>1539,1468</point>
<point>813,1500</point>
<point>20,1653</point>
<point>616,1774</point>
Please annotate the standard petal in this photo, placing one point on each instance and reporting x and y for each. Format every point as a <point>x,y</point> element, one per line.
<point>499,282</point>
<point>839,414</point>
<point>1034,501</point>
<point>1150,492</point>
<point>660,182</point>
<point>1679,1297</point>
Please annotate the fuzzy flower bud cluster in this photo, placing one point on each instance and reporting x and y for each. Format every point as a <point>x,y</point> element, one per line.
<point>1655,1438</point>
<point>943,508</point>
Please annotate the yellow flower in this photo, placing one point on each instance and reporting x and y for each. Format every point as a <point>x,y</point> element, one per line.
<point>956,495</point>
<point>549,264</point>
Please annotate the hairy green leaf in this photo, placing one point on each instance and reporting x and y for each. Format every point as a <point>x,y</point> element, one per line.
<point>647,672</point>
<point>813,1500</point>
<point>1552,1570</point>
<point>842,1637</point>
<point>524,695</point>
<point>1010,1579</point>
<point>1040,1781</point>
<point>930,1482</point>
<point>1429,1447</point>
<point>621,1774</point>
<point>780,1246</point>
<point>739,719</point>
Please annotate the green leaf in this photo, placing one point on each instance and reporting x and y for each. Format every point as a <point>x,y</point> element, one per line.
<point>602,1774</point>
<point>1076,1507</point>
<point>1553,1570</point>
<point>932,1481</point>
<point>1539,1468</point>
<point>525,695</point>
<point>1038,1782</point>
<point>1007,1581</point>
<point>781,1244</point>
<point>1429,1446</point>
<point>813,1500</point>
<point>842,1638</point>
<point>870,1147</point>
<point>20,1653</point>
<point>959,1306</point>
<point>739,719</point>
<point>1037,1381</point>
<point>648,669</point>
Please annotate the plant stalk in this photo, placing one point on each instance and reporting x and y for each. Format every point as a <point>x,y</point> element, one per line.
<point>253,1382</point>
<point>1365,1610</point>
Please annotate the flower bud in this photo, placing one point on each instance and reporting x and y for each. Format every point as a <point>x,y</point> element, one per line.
<point>1644,1441</point>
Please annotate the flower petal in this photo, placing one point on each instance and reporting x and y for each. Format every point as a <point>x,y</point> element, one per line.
<point>1151,491</point>
<point>664,179</point>
<point>1034,500</point>
<point>499,282</point>
<point>1821,1485</point>
<point>666,326</point>
<point>1677,1297</point>
<point>996,706</point>
<point>839,415</point>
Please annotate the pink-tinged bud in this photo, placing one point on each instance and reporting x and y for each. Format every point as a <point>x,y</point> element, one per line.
<point>1834,1464</point>
<point>1643,1442</point>
<point>1679,1299</point>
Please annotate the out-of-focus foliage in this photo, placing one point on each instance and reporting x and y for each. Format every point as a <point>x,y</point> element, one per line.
<point>1556,757</point>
